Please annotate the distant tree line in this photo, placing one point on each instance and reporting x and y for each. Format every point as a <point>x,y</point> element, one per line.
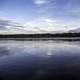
<point>47,35</point>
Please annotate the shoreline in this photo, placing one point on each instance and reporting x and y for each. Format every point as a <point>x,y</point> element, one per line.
<point>44,39</point>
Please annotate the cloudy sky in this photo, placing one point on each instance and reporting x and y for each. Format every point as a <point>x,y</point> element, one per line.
<point>49,15</point>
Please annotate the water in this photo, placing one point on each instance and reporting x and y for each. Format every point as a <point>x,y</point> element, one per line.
<point>39,60</point>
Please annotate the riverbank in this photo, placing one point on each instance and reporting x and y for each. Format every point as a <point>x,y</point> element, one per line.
<point>44,39</point>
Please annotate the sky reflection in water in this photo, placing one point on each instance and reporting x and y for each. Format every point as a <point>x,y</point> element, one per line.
<point>39,60</point>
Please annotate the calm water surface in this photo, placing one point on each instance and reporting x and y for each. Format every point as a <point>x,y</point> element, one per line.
<point>39,60</point>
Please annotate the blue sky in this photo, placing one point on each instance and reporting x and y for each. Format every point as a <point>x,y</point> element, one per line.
<point>45,14</point>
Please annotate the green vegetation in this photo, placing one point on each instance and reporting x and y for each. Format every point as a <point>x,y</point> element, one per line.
<point>48,35</point>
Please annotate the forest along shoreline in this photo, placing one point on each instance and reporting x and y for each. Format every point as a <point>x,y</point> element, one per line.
<point>46,36</point>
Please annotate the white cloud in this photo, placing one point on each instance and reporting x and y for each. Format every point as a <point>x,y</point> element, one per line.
<point>46,24</point>
<point>49,20</point>
<point>40,2</point>
<point>43,24</point>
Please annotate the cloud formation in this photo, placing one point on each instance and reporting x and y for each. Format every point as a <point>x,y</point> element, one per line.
<point>42,15</point>
<point>40,2</point>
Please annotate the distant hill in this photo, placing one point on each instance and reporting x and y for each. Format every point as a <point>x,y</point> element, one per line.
<point>75,30</point>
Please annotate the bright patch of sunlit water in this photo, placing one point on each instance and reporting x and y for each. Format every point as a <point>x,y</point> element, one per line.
<point>39,60</point>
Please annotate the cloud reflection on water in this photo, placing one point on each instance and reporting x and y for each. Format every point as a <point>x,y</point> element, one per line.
<point>38,60</point>
<point>38,48</point>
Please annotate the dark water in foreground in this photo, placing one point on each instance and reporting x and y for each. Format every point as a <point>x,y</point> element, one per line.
<point>39,60</point>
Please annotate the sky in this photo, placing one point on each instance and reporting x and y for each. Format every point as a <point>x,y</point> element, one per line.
<point>47,15</point>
